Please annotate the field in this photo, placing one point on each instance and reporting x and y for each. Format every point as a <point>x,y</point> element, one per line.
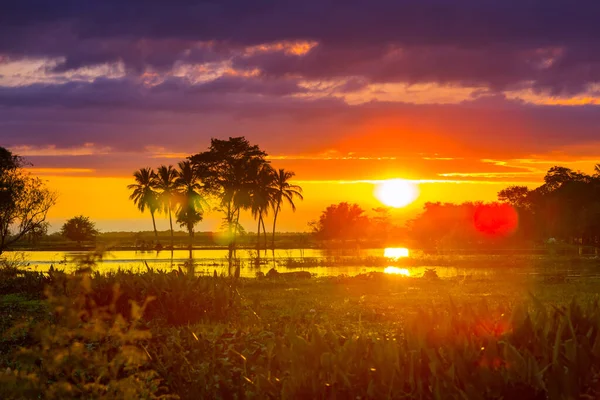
<point>369,336</point>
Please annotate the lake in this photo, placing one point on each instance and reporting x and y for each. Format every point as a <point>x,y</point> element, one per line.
<point>318,262</point>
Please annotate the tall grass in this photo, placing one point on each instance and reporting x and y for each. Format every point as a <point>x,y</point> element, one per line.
<point>156,334</point>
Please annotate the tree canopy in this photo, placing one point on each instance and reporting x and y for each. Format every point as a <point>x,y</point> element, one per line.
<point>342,221</point>
<point>79,229</point>
<point>24,201</point>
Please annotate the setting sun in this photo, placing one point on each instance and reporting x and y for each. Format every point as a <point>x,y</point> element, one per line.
<point>397,192</point>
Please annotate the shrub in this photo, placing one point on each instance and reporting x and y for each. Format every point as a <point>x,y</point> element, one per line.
<point>83,351</point>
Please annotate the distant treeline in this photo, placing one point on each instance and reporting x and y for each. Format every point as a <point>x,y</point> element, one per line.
<point>565,209</point>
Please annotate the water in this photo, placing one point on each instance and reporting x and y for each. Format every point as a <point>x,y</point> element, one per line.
<point>318,262</point>
<point>205,261</point>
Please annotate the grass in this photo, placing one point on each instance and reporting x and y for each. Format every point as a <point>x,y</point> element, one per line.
<point>370,336</point>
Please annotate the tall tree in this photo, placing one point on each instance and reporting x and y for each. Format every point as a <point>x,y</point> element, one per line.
<point>285,192</point>
<point>262,197</point>
<point>166,177</point>
<point>190,201</point>
<point>144,196</point>
<point>24,201</point>
<point>228,169</point>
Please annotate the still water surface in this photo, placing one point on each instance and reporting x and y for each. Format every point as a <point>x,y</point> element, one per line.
<point>318,262</point>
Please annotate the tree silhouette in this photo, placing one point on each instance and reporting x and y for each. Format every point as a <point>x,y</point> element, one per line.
<point>343,222</point>
<point>190,201</point>
<point>166,185</point>
<point>285,193</point>
<point>566,207</point>
<point>517,196</point>
<point>228,170</point>
<point>262,197</point>
<point>79,229</point>
<point>24,201</point>
<point>144,196</point>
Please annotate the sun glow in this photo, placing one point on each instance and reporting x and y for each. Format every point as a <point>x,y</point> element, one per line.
<point>395,252</point>
<point>397,192</point>
<point>396,271</point>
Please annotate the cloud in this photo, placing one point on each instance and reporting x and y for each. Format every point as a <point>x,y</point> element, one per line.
<point>53,150</point>
<point>545,46</point>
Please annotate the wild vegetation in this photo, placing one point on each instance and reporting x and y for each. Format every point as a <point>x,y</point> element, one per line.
<point>175,335</point>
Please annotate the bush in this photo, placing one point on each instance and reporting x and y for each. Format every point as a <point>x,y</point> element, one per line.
<point>83,351</point>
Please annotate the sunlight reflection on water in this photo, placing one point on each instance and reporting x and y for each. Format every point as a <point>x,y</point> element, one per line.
<point>396,252</point>
<point>396,271</point>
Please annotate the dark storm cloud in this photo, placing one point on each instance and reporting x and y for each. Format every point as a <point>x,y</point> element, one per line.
<point>176,94</point>
<point>488,43</point>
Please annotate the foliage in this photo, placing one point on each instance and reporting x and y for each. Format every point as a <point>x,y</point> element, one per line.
<point>190,199</point>
<point>179,298</point>
<point>445,225</point>
<point>341,221</point>
<point>234,173</point>
<point>144,194</point>
<point>230,169</point>
<point>79,229</point>
<point>285,192</point>
<point>13,279</point>
<point>84,351</point>
<point>165,184</point>
<point>231,344</point>
<point>24,201</point>
<point>452,352</point>
<point>565,207</point>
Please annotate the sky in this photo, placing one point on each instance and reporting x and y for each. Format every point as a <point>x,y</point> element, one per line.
<point>463,97</point>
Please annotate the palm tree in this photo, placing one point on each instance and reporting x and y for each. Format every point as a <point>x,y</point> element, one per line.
<point>189,198</point>
<point>165,184</point>
<point>262,197</point>
<point>597,170</point>
<point>144,194</point>
<point>285,192</point>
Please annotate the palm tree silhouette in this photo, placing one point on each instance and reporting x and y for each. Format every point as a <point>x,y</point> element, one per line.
<point>262,197</point>
<point>190,201</point>
<point>165,183</point>
<point>284,192</point>
<point>144,194</point>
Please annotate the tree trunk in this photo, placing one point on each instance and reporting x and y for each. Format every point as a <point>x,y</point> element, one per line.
<point>258,241</point>
<point>229,234</point>
<point>235,229</point>
<point>171,224</point>
<point>275,222</point>
<point>262,221</point>
<point>154,225</point>
<point>258,233</point>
